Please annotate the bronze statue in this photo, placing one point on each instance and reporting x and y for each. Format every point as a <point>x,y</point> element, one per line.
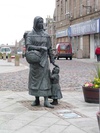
<point>55,86</point>
<point>39,48</point>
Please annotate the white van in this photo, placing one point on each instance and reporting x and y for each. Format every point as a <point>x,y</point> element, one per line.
<point>6,50</point>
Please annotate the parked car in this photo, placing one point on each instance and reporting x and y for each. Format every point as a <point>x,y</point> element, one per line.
<point>64,50</point>
<point>6,50</point>
<point>19,52</point>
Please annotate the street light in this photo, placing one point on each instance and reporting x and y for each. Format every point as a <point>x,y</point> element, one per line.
<point>69,15</point>
<point>87,7</point>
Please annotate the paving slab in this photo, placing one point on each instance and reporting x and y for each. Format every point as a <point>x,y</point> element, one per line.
<point>17,118</point>
<point>8,67</point>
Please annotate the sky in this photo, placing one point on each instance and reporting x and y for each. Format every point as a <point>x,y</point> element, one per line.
<point>16,17</point>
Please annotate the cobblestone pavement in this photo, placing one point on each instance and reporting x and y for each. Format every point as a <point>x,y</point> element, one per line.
<point>73,74</point>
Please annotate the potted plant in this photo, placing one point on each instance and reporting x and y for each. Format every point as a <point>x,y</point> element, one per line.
<point>91,91</point>
<point>91,88</point>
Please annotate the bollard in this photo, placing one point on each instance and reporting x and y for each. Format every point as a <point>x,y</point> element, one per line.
<point>4,56</point>
<point>17,60</point>
<point>9,57</point>
<point>0,55</point>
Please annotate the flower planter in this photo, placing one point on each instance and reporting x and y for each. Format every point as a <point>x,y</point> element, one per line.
<point>98,118</point>
<point>91,95</point>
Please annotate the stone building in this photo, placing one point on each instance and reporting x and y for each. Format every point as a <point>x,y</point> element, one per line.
<point>78,21</point>
<point>51,29</point>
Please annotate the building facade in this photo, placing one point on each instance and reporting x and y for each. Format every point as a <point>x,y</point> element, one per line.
<point>51,29</point>
<point>78,21</point>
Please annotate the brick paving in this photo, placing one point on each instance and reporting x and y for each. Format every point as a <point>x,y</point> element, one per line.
<point>73,74</point>
<point>72,114</point>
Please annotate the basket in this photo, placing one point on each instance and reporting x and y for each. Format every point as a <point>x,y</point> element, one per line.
<point>33,56</point>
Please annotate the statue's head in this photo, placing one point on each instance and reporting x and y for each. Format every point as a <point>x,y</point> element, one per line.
<point>55,70</point>
<point>38,23</point>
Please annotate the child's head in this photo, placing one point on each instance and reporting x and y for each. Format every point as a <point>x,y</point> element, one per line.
<point>55,70</point>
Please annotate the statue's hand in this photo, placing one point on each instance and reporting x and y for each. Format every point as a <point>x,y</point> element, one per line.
<point>43,48</point>
<point>52,61</point>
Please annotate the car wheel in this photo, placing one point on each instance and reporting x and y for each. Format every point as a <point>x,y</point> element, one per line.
<point>54,57</point>
<point>70,58</point>
<point>57,58</point>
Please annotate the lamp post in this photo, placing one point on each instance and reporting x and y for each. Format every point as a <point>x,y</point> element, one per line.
<point>87,7</point>
<point>68,14</point>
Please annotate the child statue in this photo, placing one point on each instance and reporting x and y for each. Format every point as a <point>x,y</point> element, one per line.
<point>55,89</point>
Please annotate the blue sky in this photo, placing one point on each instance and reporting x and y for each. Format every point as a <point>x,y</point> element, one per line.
<point>16,16</point>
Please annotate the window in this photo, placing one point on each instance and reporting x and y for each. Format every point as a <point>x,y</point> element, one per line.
<point>62,47</point>
<point>88,9</point>
<point>61,7</point>
<point>97,39</point>
<point>96,4</point>
<point>75,8</point>
<point>7,49</point>
<point>81,7</point>
<point>66,6</point>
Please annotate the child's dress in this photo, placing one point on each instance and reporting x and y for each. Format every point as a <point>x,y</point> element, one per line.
<point>55,86</point>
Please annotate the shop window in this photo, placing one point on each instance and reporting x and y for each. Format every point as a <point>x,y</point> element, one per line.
<point>96,40</point>
<point>81,42</point>
<point>75,44</point>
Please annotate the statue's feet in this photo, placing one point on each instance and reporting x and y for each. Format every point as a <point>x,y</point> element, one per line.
<point>35,103</point>
<point>47,104</point>
<point>55,102</point>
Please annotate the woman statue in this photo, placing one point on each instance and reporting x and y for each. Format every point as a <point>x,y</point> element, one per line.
<point>39,48</point>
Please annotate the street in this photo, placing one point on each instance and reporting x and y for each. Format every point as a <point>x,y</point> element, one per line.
<point>71,115</point>
<point>73,74</point>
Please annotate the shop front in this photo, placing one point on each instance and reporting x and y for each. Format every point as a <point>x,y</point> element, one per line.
<point>62,36</point>
<point>85,37</point>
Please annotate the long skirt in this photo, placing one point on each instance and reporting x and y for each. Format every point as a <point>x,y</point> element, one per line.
<point>39,80</point>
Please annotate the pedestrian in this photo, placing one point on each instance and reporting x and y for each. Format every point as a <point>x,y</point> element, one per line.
<point>39,48</point>
<point>55,89</point>
<point>24,37</point>
<point>97,52</point>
